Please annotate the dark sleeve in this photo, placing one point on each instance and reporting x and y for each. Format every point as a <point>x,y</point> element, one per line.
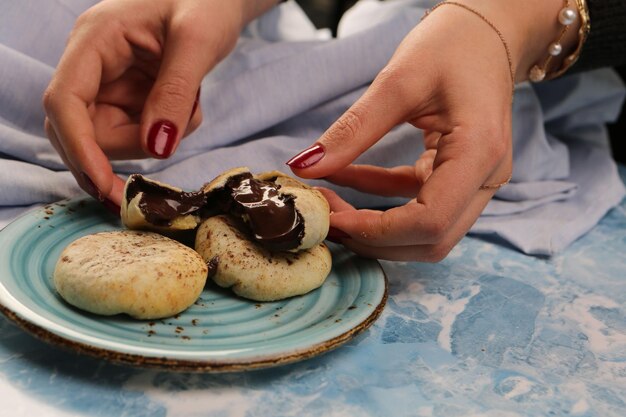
<point>606,44</point>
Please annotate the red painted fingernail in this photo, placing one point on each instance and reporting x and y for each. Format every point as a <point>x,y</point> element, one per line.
<point>90,187</point>
<point>335,235</point>
<point>162,138</point>
<point>307,157</point>
<point>112,207</point>
<point>195,104</point>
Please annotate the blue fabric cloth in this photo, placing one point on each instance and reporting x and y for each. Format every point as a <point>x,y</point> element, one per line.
<point>285,84</point>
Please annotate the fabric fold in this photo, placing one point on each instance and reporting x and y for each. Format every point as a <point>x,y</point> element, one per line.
<point>282,88</point>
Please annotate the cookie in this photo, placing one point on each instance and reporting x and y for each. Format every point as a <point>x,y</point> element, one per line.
<point>142,274</point>
<point>309,202</point>
<point>153,205</point>
<point>282,213</point>
<point>251,270</point>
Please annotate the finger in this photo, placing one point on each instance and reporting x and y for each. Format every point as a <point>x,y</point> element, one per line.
<point>66,102</point>
<point>128,92</point>
<point>431,139</point>
<point>52,136</point>
<point>117,128</point>
<point>117,133</point>
<point>434,252</point>
<point>460,169</point>
<point>335,202</point>
<point>424,166</point>
<point>172,100</point>
<point>381,108</point>
<point>147,60</point>
<point>390,182</point>
<point>117,191</point>
<point>112,201</point>
<point>195,121</point>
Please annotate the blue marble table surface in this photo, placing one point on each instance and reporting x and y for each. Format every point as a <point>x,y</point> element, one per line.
<point>487,332</point>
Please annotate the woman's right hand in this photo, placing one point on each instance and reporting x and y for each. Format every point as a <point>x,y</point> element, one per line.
<point>452,77</point>
<point>128,82</point>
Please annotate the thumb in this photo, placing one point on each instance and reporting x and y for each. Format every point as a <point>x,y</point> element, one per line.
<point>174,95</point>
<point>361,126</point>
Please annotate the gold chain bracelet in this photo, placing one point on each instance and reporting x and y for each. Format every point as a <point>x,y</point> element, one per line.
<point>497,185</point>
<point>508,57</point>
<point>492,26</point>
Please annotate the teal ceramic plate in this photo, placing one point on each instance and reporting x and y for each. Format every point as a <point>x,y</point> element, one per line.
<point>220,332</point>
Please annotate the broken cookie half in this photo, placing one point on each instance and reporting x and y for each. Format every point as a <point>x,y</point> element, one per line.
<point>150,204</point>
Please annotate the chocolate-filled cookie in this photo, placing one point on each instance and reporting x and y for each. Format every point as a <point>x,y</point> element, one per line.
<point>252,271</point>
<point>281,213</point>
<point>153,205</point>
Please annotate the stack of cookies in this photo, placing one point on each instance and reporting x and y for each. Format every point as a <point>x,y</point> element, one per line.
<point>260,235</point>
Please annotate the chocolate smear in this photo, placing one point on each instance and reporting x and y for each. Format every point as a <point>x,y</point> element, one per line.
<point>161,205</point>
<point>272,217</point>
<point>212,266</point>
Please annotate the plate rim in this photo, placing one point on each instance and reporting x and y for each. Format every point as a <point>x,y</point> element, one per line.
<point>186,365</point>
<point>209,365</point>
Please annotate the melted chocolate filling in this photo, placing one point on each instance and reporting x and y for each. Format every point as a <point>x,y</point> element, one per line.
<point>161,205</point>
<point>272,217</point>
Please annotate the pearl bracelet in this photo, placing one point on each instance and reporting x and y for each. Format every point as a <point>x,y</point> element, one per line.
<point>566,17</point>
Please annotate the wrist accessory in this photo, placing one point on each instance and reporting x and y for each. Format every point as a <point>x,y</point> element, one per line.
<point>495,186</point>
<point>487,21</point>
<point>566,17</point>
<point>508,57</point>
